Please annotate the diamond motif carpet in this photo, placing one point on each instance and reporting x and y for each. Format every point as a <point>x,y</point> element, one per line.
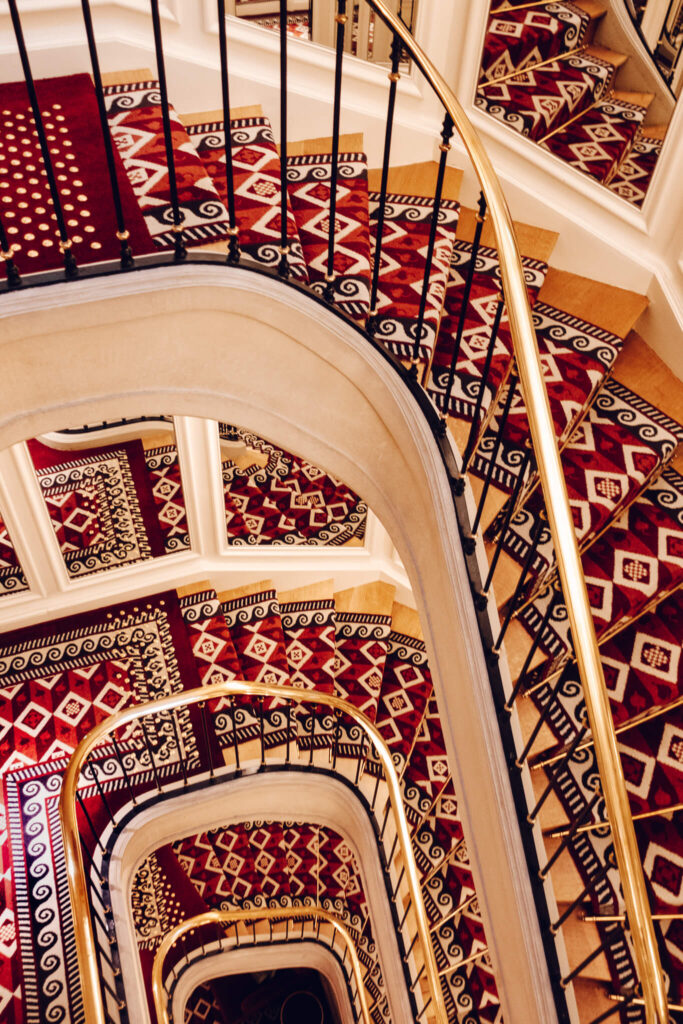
<point>517,39</point>
<point>12,578</point>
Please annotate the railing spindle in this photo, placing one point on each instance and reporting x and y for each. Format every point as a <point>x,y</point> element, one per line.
<point>587,811</point>
<point>521,680</point>
<point>509,511</point>
<point>539,527</point>
<point>340,19</point>
<point>444,148</point>
<point>481,216</point>
<point>476,426</point>
<point>177,229</point>
<point>607,941</point>
<point>70,268</point>
<point>534,812</point>
<point>394,76</point>
<point>122,234</point>
<point>7,254</point>
<point>205,736</point>
<point>233,231</point>
<point>511,388</point>
<point>283,268</point>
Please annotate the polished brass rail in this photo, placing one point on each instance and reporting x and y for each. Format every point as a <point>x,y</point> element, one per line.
<point>78,886</point>
<point>225,918</point>
<point>563,533</point>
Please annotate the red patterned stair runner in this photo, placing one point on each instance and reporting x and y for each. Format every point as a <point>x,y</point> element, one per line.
<point>575,357</point>
<point>597,141</point>
<point>12,579</point>
<point>288,500</point>
<point>135,121</point>
<point>258,196</point>
<point>361,651</point>
<point>202,1007</point>
<point>308,180</point>
<point>255,627</point>
<point>70,118</point>
<point>633,175</point>
<point>613,454</point>
<point>163,468</point>
<point>483,301</point>
<point>309,631</point>
<point>100,505</point>
<point>405,241</point>
<point>519,39</point>
<point>636,562</point>
<point>539,100</point>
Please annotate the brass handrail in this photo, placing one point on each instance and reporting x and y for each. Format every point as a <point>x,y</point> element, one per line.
<point>75,867</point>
<point>228,917</point>
<point>563,533</point>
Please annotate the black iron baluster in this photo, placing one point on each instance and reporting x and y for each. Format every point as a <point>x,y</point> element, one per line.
<point>587,811</point>
<point>262,733</point>
<point>205,735</point>
<point>509,511</point>
<point>100,791</point>
<point>283,268</point>
<point>177,229</point>
<point>289,732</point>
<point>70,268</point>
<point>398,883</point>
<point>539,527</point>
<point>424,1008</point>
<point>417,978</point>
<point>394,77</point>
<point>547,707</point>
<point>181,758</point>
<point>7,253</point>
<point>335,742</point>
<point>521,679</point>
<point>511,388</point>
<point>235,743</point>
<point>312,735</point>
<point>445,148</point>
<point>410,948</point>
<point>95,835</point>
<point>534,812</point>
<point>233,230</point>
<point>568,911</point>
<point>341,19</point>
<point>481,216</point>
<point>618,1006</point>
<point>151,754</point>
<point>122,233</point>
<point>607,941</point>
<point>473,436</point>
<point>405,914</point>
<point>126,777</point>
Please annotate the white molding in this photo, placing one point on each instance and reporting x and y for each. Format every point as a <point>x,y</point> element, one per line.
<point>310,954</point>
<point>277,796</point>
<point>199,455</point>
<point>30,527</point>
<point>292,370</point>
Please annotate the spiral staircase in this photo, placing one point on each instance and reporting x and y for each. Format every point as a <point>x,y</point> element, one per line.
<point>179,704</point>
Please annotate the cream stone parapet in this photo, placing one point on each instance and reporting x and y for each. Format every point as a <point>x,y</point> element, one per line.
<point>282,365</point>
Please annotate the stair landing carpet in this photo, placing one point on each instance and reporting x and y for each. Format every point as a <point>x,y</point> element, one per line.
<point>71,121</point>
<point>405,243</point>
<point>135,121</point>
<point>308,182</point>
<point>256,180</point>
<point>100,504</point>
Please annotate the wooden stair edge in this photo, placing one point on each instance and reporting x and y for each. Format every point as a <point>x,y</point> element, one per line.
<point>534,242</point>
<point>209,116</point>
<point>128,76</point>
<point>606,306</point>
<point>612,57</point>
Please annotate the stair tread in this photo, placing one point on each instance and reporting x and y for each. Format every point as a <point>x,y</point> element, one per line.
<point>604,53</point>
<point>607,306</point>
<point>535,242</point>
<point>349,143</point>
<point>638,367</point>
<point>417,180</point>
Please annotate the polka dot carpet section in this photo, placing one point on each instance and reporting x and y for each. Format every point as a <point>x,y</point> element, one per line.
<point>69,114</point>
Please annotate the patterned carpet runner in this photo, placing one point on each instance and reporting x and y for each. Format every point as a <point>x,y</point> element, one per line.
<point>620,445</point>
<point>70,117</point>
<point>309,180</point>
<point>258,196</point>
<point>576,357</point>
<point>597,142</point>
<point>539,100</point>
<point>517,39</point>
<point>633,175</point>
<point>135,121</point>
<point>484,296</point>
<point>405,241</point>
<point>12,579</point>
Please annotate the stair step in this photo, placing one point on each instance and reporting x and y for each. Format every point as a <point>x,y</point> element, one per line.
<point>534,242</point>
<point>603,53</point>
<point>632,178</point>
<point>596,142</point>
<point>522,37</point>
<point>417,180</point>
<point>610,308</point>
<point>348,143</point>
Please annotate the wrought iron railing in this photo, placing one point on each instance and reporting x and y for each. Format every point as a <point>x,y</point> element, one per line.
<point>350,736</point>
<point>327,927</point>
<point>542,460</point>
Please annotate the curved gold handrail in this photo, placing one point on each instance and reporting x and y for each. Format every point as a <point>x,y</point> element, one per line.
<point>228,917</point>
<point>564,536</point>
<point>75,867</point>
